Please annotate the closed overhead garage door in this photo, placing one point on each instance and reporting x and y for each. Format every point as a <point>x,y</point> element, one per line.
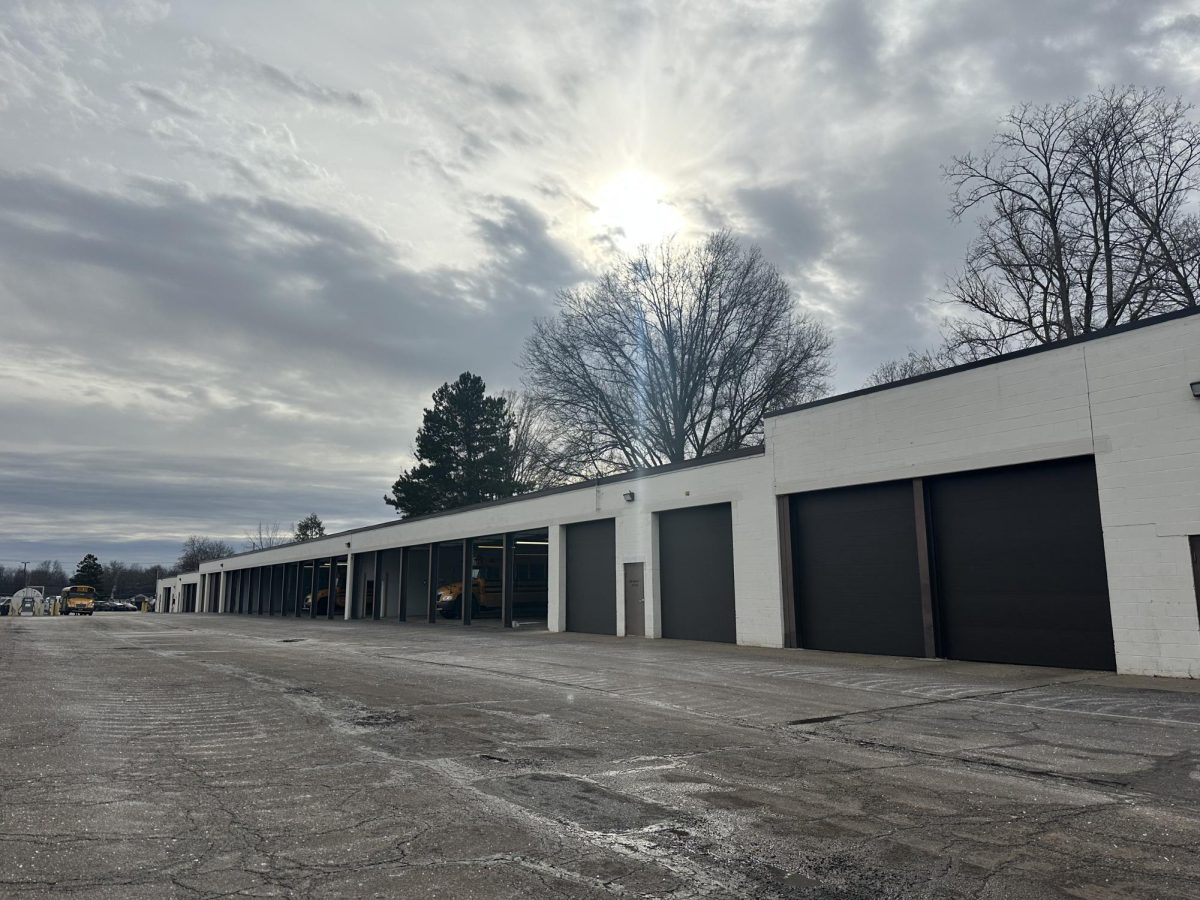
<point>591,551</point>
<point>1019,566</point>
<point>695,559</point>
<point>855,564</point>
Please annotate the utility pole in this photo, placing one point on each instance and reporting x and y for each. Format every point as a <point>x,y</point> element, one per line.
<point>25,570</point>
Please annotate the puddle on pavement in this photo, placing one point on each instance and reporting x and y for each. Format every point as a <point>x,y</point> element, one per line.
<point>576,800</point>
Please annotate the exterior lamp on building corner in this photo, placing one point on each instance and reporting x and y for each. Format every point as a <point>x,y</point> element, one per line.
<point>1196,389</point>
<point>628,495</point>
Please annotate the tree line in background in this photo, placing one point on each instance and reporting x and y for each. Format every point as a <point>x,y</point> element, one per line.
<point>1088,219</point>
<point>198,549</point>
<point>111,579</point>
<point>122,580</point>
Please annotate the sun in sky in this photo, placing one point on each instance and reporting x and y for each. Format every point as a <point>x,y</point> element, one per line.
<point>633,204</point>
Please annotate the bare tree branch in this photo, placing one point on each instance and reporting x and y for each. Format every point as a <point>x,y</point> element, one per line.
<point>1086,220</point>
<point>675,352</point>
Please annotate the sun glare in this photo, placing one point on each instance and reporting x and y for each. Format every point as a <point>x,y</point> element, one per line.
<point>632,204</point>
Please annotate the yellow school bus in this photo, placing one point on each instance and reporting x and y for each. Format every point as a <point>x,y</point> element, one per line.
<point>79,599</point>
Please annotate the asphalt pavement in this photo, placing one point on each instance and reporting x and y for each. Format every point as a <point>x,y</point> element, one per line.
<point>212,756</point>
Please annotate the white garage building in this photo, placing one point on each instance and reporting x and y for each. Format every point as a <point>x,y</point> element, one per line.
<point>1040,508</point>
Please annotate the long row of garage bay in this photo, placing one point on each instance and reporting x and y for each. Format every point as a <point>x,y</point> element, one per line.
<point>1041,508</point>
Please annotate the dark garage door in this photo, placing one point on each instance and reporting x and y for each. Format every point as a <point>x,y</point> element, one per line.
<point>1019,566</point>
<point>591,549</point>
<point>695,559</point>
<point>855,565</point>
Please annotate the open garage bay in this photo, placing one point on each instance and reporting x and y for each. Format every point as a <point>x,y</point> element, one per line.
<point>213,755</point>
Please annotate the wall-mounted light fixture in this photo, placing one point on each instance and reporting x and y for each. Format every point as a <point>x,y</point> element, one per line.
<point>1196,389</point>
<point>628,495</point>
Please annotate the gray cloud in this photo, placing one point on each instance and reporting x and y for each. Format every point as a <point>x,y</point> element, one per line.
<point>792,222</point>
<point>226,60</point>
<point>163,99</point>
<point>267,337</point>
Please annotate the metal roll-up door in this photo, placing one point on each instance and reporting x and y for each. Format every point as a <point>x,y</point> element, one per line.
<point>591,559</point>
<point>1019,566</point>
<point>695,559</point>
<point>856,570</point>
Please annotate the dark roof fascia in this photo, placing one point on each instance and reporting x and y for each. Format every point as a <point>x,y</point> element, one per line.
<point>594,483</point>
<point>991,361</point>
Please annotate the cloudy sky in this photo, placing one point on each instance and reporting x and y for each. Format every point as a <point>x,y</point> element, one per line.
<point>241,241</point>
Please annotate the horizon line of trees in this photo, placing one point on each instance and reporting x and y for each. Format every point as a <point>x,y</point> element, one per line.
<point>114,578</point>
<point>120,579</point>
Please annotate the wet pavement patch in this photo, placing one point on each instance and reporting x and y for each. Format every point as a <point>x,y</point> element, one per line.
<point>576,800</point>
<point>382,719</point>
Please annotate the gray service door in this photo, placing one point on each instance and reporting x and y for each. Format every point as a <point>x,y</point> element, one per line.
<point>591,551</point>
<point>695,559</point>
<point>416,584</point>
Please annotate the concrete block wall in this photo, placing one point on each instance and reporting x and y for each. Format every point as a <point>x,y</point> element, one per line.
<point>1147,431</point>
<point>166,594</point>
<point>1124,398</point>
<point>743,482</point>
<point>1023,410</point>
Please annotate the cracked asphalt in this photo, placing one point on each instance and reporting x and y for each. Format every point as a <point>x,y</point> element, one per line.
<point>214,756</point>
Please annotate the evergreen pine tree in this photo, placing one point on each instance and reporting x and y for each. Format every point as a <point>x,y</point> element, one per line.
<point>464,449</point>
<point>309,527</point>
<point>89,571</point>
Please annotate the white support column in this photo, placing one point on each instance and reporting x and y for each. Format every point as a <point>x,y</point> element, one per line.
<point>221,601</point>
<point>202,596</point>
<point>634,544</point>
<point>653,585</point>
<point>349,585</point>
<point>556,579</point>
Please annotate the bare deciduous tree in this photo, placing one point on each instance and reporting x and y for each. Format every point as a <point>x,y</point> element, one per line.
<point>266,536</point>
<point>916,363</point>
<point>1087,221</point>
<point>196,550</point>
<point>532,462</point>
<point>673,353</point>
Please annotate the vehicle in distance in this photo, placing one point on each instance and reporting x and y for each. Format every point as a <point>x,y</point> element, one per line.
<point>115,606</point>
<point>78,600</point>
<point>484,602</point>
<point>339,602</point>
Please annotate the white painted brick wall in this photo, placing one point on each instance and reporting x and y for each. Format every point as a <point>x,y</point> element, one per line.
<point>1147,426</point>
<point>1125,398</point>
<point>744,482</point>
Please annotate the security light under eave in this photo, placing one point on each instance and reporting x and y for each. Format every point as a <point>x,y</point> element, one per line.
<point>628,495</point>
